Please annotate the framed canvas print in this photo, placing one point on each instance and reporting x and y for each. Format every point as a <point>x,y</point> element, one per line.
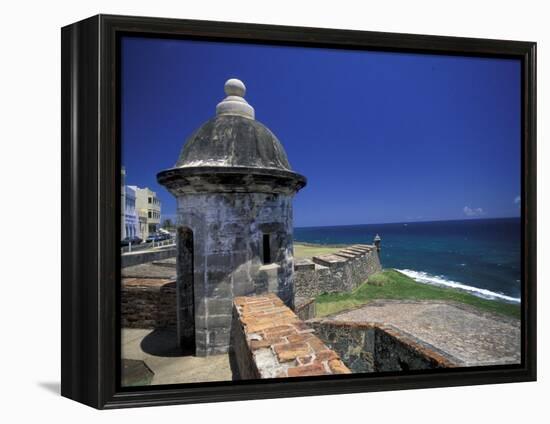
<point>255,211</point>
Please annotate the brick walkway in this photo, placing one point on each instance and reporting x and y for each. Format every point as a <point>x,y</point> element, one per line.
<point>469,336</point>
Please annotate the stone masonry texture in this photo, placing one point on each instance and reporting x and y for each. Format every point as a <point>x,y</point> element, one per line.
<point>305,308</point>
<point>270,341</point>
<point>467,335</point>
<point>373,347</point>
<point>228,230</point>
<point>148,303</point>
<point>234,188</point>
<point>337,272</point>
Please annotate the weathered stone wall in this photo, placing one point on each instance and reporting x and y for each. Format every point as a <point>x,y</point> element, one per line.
<point>148,303</point>
<point>353,342</point>
<point>270,341</point>
<point>228,231</point>
<point>341,271</point>
<point>305,308</point>
<point>395,351</point>
<point>371,347</point>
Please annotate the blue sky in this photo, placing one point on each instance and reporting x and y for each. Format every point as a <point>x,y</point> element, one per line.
<point>381,137</point>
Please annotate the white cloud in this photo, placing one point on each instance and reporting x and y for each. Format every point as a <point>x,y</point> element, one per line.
<point>468,211</point>
<point>517,200</point>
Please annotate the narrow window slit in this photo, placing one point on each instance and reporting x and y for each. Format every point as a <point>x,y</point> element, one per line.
<point>266,249</point>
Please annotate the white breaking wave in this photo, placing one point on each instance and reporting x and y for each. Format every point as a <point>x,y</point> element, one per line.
<point>437,280</point>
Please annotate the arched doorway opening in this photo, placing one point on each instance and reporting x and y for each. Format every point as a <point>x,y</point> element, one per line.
<point>184,290</point>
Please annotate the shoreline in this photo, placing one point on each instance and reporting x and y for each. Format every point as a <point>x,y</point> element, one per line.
<point>438,281</point>
<point>419,276</point>
<point>391,284</point>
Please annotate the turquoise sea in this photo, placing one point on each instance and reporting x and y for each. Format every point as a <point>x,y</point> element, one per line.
<point>481,256</point>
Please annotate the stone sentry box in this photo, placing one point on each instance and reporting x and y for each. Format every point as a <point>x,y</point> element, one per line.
<point>234,188</point>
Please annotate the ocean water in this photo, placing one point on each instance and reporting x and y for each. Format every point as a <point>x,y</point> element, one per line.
<point>481,256</point>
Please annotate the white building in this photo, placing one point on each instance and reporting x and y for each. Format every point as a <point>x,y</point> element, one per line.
<point>139,212</point>
<point>131,223</point>
<point>122,202</point>
<point>148,208</point>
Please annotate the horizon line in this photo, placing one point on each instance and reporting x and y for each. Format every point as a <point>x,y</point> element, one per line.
<point>411,222</point>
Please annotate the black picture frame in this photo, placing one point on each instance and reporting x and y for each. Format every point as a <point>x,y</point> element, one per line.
<point>91,208</point>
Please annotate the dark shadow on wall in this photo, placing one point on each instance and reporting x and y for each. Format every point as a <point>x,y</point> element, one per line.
<point>186,288</point>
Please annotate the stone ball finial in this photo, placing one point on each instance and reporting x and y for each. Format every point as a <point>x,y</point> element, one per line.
<point>234,103</point>
<point>234,87</point>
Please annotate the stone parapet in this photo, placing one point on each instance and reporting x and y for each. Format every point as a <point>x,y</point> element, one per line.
<point>304,265</point>
<point>329,260</point>
<point>149,270</point>
<point>373,347</point>
<point>335,272</point>
<point>148,303</point>
<point>270,341</point>
<point>305,308</point>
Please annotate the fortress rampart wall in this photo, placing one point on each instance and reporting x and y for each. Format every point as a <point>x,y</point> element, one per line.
<point>342,271</point>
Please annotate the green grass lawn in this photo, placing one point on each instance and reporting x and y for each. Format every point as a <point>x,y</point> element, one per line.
<point>305,250</point>
<point>391,284</point>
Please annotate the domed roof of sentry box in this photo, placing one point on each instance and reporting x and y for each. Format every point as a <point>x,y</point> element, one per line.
<point>234,143</point>
<point>233,137</point>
